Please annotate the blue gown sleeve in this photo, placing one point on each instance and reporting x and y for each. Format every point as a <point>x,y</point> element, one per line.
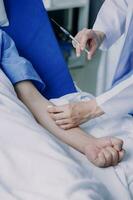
<point>15,67</point>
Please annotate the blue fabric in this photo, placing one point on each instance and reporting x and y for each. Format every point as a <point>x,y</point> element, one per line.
<point>31,30</point>
<point>15,67</point>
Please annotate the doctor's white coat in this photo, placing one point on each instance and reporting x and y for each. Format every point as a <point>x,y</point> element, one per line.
<point>115,19</point>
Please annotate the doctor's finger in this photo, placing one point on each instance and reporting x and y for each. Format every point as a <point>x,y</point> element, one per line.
<point>77,45</point>
<point>78,36</point>
<point>74,44</point>
<point>59,116</point>
<point>55,109</point>
<point>86,36</point>
<point>92,50</point>
<point>63,122</point>
<point>78,50</point>
<point>67,126</point>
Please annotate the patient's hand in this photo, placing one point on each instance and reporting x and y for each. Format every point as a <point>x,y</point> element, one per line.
<point>105,152</point>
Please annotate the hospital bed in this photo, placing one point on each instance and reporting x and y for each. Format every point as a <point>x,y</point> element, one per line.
<point>37,166</point>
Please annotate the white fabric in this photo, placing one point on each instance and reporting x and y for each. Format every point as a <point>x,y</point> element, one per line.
<point>113,26</point>
<point>118,100</point>
<point>107,66</point>
<point>34,165</point>
<point>3,16</point>
<point>112,20</point>
<point>115,19</point>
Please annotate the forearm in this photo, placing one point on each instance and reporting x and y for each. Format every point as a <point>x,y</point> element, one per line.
<point>38,105</point>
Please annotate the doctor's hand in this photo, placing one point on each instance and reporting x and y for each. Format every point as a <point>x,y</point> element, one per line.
<point>90,39</point>
<point>74,114</point>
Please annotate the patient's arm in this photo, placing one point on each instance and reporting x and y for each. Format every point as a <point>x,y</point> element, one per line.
<point>101,152</point>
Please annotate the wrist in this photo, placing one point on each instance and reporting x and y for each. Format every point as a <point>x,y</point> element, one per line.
<point>93,109</point>
<point>89,140</point>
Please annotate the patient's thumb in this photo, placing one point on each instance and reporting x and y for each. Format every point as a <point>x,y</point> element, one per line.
<point>117,143</point>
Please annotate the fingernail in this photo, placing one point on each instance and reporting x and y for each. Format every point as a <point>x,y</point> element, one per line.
<point>78,55</point>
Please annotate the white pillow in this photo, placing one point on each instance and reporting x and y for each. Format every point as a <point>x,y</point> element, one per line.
<point>3,17</point>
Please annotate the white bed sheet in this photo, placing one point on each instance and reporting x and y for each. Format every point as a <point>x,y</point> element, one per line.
<point>34,165</point>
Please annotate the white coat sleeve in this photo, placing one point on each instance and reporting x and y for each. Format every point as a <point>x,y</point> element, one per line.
<point>119,100</point>
<point>111,20</point>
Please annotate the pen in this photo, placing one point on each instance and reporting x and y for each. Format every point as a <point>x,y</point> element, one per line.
<point>69,35</point>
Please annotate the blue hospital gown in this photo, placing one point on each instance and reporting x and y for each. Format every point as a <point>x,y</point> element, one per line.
<point>15,67</point>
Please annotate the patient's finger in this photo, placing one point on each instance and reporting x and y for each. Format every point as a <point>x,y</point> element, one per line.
<point>100,161</point>
<point>55,109</point>
<point>121,155</point>
<point>118,146</point>
<point>117,143</point>
<point>108,157</point>
<point>115,155</point>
